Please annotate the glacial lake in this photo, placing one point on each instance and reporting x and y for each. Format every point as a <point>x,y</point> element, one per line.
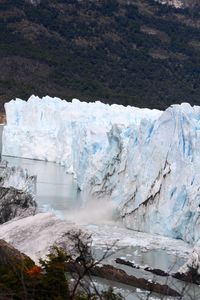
<point>57,191</point>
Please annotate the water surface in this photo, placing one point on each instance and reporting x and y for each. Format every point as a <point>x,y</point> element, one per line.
<point>55,190</point>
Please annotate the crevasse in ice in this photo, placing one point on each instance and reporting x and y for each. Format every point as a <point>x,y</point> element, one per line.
<point>146,161</point>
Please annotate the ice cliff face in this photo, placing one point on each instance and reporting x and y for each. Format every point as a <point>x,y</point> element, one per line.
<point>146,162</point>
<point>54,130</point>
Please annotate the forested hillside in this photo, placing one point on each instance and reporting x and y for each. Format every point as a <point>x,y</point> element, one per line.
<point>138,52</point>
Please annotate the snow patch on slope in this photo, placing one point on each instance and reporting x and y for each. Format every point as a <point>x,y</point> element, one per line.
<point>35,235</point>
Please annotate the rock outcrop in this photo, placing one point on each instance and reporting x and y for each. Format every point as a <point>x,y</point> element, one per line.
<point>10,258</point>
<point>17,191</point>
<point>190,271</point>
<point>17,178</point>
<point>111,273</point>
<point>15,203</point>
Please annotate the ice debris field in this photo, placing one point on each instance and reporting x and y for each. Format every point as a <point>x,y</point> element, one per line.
<point>145,162</point>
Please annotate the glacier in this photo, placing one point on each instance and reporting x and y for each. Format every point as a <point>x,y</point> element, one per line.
<point>146,162</point>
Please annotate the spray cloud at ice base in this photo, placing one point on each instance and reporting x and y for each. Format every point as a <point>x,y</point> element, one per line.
<point>146,162</point>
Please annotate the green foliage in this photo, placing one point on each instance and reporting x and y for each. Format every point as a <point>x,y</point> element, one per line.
<point>47,282</point>
<point>52,283</point>
<point>13,277</point>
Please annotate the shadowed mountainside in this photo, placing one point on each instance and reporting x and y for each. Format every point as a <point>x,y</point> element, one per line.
<point>138,52</point>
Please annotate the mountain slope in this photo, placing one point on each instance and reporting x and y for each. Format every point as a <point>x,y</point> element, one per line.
<point>179,3</point>
<point>139,52</point>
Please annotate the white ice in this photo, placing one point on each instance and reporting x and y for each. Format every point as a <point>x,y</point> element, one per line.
<point>35,235</point>
<point>145,161</point>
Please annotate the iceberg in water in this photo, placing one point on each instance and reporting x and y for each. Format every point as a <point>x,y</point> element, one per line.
<point>145,161</point>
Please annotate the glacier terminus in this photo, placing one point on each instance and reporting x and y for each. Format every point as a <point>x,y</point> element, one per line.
<point>145,162</point>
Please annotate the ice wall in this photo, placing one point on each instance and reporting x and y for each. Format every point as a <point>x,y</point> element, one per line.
<point>146,161</point>
<point>48,128</point>
<point>152,172</point>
